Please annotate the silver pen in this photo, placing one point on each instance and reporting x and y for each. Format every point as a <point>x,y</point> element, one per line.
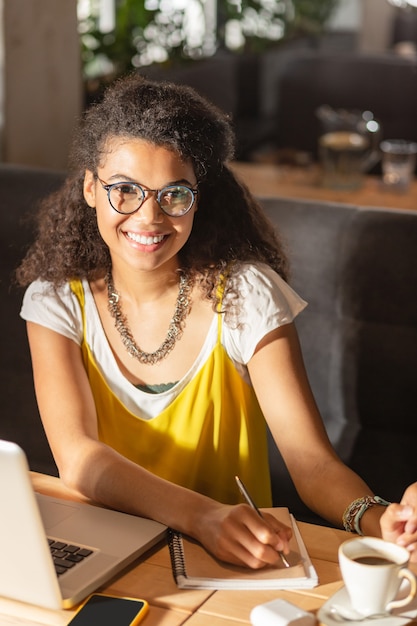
<point>252,504</point>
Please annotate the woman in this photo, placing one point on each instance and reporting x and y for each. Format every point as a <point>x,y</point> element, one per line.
<point>151,231</point>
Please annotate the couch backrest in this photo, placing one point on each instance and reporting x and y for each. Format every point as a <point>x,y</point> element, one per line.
<point>357,268</point>
<point>20,190</point>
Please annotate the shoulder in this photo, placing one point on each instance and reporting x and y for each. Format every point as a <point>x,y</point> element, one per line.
<point>260,284</point>
<point>42,291</point>
<point>56,308</point>
<point>258,301</point>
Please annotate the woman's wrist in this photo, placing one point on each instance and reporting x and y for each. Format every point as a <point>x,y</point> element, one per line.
<point>370,522</point>
<point>197,511</point>
<point>362,515</point>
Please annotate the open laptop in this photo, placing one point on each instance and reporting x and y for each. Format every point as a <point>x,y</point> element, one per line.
<point>54,552</point>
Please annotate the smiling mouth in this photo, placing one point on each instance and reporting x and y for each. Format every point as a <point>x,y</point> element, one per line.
<point>145,240</point>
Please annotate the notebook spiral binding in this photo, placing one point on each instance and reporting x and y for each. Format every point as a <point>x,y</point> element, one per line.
<point>176,553</point>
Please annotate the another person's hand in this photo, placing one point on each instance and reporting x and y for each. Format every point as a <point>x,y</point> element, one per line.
<point>399,522</point>
<point>238,535</point>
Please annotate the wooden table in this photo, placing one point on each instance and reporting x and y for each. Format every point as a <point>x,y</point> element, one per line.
<point>269,180</point>
<point>151,578</point>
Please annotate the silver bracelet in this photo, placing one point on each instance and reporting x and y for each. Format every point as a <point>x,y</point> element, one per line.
<point>353,514</point>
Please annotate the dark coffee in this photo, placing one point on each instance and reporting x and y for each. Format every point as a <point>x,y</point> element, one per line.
<point>373,560</point>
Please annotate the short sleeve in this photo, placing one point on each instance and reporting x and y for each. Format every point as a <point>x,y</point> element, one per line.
<point>266,302</point>
<point>54,308</point>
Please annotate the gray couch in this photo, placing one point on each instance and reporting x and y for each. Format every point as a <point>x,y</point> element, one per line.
<point>20,189</point>
<point>356,267</point>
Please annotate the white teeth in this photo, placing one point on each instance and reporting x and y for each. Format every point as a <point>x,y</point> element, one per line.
<point>146,241</point>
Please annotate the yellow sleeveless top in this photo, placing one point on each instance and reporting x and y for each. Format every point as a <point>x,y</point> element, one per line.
<point>213,430</point>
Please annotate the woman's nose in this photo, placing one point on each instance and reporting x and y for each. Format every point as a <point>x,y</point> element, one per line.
<point>150,211</point>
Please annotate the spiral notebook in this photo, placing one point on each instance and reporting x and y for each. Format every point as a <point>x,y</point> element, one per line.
<point>194,568</point>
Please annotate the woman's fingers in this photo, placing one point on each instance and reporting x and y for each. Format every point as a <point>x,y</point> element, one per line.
<point>245,538</point>
<point>399,525</point>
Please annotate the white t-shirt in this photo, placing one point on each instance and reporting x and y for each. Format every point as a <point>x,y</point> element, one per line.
<point>267,303</point>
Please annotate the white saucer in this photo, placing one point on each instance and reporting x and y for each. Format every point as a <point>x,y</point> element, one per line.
<point>399,617</point>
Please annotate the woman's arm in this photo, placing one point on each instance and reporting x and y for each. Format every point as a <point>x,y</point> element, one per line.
<point>324,483</point>
<point>233,533</point>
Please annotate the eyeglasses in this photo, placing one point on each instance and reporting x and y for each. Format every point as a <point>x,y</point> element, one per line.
<point>127,198</point>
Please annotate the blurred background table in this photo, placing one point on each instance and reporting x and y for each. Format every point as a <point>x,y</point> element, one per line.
<point>269,180</point>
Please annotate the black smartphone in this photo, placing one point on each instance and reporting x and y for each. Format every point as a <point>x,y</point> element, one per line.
<point>109,611</point>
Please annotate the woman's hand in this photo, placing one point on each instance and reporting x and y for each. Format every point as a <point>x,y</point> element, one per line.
<point>399,522</point>
<point>238,535</point>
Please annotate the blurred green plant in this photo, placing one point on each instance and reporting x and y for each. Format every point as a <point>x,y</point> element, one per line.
<point>310,18</point>
<point>115,52</point>
<point>154,31</point>
<point>264,23</point>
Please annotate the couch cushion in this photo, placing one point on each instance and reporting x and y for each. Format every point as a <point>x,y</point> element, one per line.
<point>20,190</point>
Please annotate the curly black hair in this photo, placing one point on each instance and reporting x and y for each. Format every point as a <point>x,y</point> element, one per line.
<point>229,226</point>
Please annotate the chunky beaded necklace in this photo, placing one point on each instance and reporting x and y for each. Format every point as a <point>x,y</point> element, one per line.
<point>175,330</point>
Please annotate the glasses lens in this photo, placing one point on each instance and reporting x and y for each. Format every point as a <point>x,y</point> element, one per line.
<point>176,200</point>
<point>126,197</point>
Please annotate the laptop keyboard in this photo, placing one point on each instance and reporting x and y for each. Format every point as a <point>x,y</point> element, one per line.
<point>65,556</point>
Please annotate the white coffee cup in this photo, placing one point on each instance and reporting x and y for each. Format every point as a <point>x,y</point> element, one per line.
<point>373,570</point>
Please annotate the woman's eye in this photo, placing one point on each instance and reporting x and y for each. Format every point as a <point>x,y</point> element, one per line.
<point>127,189</point>
<point>175,194</point>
